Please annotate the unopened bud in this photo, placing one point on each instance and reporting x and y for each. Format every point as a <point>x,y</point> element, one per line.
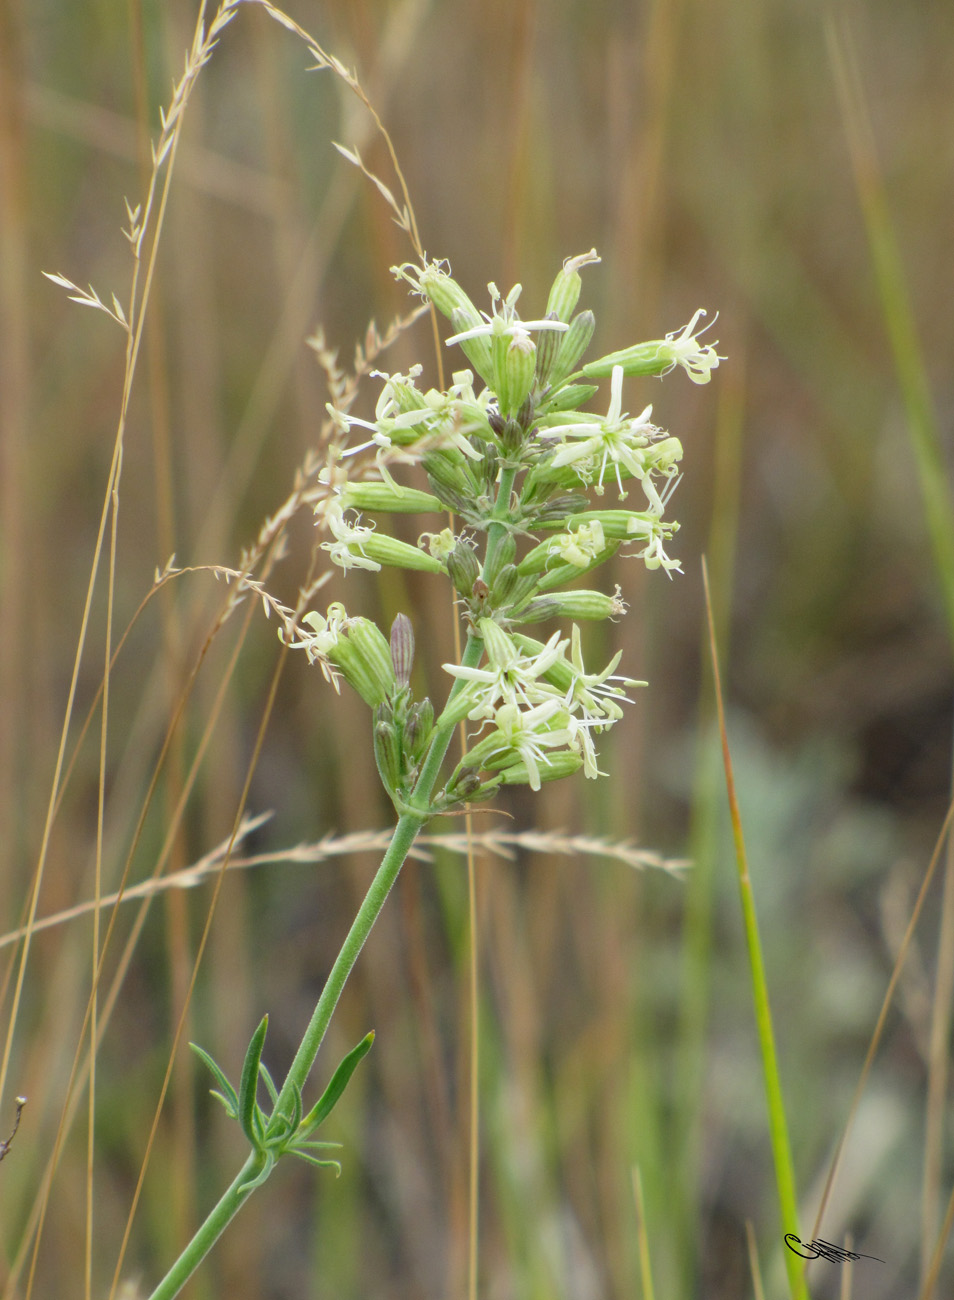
<point>575,604</point>
<point>418,727</point>
<point>570,397</point>
<point>398,554</point>
<point>559,508</point>
<point>503,585</point>
<point>451,480</point>
<point>389,497</point>
<point>565,293</point>
<point>514,356</point>
<point>514,601</point>
<point>575,342</point>
<point>504,553</point>
<point>402,649</point>
<point>364,658</point>
<point>550,768</point>
<point>387,749</point>
<point>548,345</point>
<point>539,609</point>
<point>463,567</point>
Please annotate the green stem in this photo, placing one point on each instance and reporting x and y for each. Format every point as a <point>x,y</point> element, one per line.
<point>404,835</point>
<point>229,1205</point>
<point>239,1191</point>
<point>405,832</point>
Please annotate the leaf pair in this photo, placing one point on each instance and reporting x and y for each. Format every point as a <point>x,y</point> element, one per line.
<point>277,1133</point>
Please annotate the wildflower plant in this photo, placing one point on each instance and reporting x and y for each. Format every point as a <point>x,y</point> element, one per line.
<point>521,481</point>
<point>508,452</point>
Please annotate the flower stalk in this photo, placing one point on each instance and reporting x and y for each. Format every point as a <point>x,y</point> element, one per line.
<point>515,463</point>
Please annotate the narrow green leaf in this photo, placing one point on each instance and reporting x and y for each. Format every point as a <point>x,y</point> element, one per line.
<point>258,1126</point>
<point>320,1164</point>
<point>296,1114</point>
<point>230,1110</point>
<point>316,1146</point>
<point>260,1177</point>
<point>227,1096</point>
<point>269,1082</point>
<point>339,1081</point>
<point>249,1085</point>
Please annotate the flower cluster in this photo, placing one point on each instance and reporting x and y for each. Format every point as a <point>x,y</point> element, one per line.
<point>540,706</point>
<point>509,452</point>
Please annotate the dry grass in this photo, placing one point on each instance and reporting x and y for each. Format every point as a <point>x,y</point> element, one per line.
<point>701,148</point>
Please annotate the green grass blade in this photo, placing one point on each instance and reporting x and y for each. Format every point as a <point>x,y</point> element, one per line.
<point>778,1125</point>
<point>898,318</point>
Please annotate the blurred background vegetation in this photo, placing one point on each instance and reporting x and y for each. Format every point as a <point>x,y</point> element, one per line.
<point>702,148</point>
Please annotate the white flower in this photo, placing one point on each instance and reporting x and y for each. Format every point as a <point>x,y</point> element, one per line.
<point>528,734</point>
<point>581,740</point>
<point>504,320</point>
<point>509,676</point>
<point>320,641</point>
<point>697,361</point>
<point>579,546</point>
<point>613,440</point>
<point>654,533</point>
<point>382,430</point>
<point>595,695</point>
<point>346,550</point>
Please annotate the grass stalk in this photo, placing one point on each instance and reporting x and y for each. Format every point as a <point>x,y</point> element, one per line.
<point>778,1125</point>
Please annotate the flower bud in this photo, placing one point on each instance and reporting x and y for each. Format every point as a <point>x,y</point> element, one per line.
<point>574,604</point>
<point>549,768</point>
<point>398,554</point>
<point>451,480</point>
<point>466,786</point>
<point>505,553</point>
<point>387,749</point>
<point>402,649</point>
<point>389,497</point>
<point>575,342</point>
<point>463,567</point>
<point>548,345</point>
<point>539,609</point>
<point>514,356</point>
<point>556,511</point>
<point>418,728</point>
<point>565,293</point>
<point>503,585</point>
<point>569,397</point>
<point>364,658</point>
<point>515,598</point>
